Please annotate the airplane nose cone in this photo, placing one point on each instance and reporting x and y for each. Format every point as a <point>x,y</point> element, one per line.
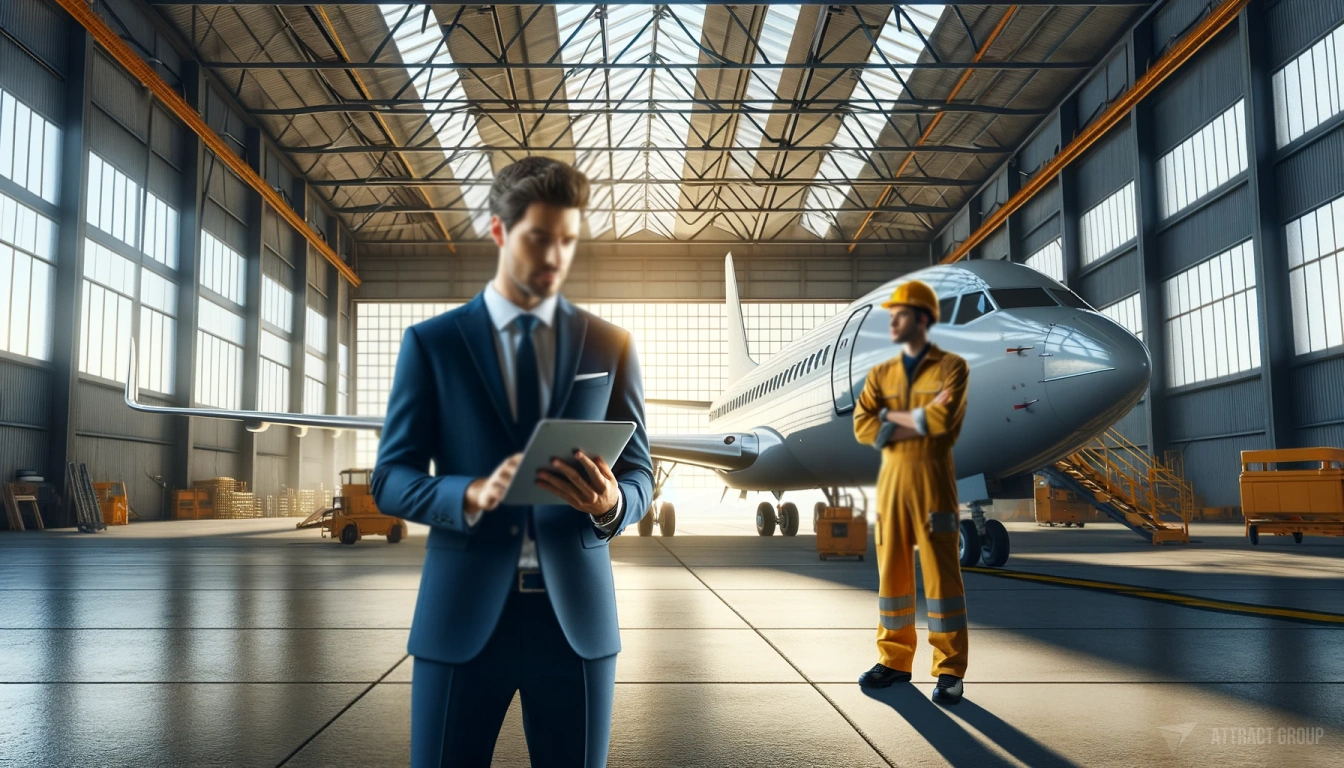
<point>1095,372</point>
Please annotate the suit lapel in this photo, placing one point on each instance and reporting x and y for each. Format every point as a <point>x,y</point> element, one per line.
<point>474,325</point>
<point>571,329</point>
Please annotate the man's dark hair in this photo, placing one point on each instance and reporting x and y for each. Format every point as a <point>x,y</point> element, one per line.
<point>536,180</point>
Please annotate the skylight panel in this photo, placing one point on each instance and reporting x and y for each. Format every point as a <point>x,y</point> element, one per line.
<point>642,34</point>
<point>428,45</point>
<point>897,44</point>
<point>762,85</point>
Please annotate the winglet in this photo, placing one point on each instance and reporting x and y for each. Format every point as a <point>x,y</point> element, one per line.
<point>739,357</point>
<point>132,384</point>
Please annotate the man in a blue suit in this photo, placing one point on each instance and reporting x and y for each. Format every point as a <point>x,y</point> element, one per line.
<point>514,599</point>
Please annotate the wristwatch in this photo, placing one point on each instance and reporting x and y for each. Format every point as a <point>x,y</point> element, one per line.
<point>609,517</point>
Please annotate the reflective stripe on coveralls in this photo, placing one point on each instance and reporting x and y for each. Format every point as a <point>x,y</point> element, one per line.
<point>916,494</point>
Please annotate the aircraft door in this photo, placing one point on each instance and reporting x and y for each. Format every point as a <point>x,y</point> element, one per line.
<point>842,382</point>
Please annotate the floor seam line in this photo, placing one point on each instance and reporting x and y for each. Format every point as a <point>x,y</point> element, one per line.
<point>871,744</point>
<point>343,710</point>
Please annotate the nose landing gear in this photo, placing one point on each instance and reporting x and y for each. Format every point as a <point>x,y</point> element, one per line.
<point>982,541</point>
<point>664,515</point>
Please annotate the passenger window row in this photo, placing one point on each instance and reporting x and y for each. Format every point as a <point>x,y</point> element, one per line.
<point>815,361</point>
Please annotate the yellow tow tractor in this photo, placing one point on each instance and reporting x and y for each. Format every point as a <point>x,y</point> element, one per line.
<point>353,515</point>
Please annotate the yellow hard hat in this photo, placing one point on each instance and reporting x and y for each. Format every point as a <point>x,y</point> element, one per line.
<point>915,294</point>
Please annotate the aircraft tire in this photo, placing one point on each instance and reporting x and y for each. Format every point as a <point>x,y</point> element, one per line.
<point>667,519</point>
<point>788,521</point>
<point>765,519</point>
<point>994,545</point>
<point>968,548</point>
<point>646,523</point>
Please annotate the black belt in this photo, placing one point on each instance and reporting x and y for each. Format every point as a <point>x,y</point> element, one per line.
<point>529,581</point>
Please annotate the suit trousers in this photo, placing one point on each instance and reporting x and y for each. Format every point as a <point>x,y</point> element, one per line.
<point>457,709</point>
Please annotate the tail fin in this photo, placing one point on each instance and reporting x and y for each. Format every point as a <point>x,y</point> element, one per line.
<point>739,357</point>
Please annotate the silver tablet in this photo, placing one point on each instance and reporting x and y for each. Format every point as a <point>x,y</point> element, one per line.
<point>558,439</point>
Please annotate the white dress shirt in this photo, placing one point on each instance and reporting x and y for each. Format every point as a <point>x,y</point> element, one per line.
<point>508,336</point>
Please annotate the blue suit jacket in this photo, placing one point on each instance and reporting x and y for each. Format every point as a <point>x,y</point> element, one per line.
<point>449,406</point>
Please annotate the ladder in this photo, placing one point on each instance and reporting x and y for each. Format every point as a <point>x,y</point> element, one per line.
<point>88,513</point>
<point>1150,496</point>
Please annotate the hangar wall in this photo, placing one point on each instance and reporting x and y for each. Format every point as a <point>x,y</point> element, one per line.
<point>128,198</point>
<point>1241,153</point>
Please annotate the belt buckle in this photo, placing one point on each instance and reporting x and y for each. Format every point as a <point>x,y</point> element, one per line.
<point>522,586</point>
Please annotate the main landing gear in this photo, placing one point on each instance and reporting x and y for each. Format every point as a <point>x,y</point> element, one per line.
<point>664,515</point>
<point>983,541</point>
<point>784,515</point>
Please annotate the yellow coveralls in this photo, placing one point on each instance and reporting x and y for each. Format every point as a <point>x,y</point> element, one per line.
<point>917,505</point>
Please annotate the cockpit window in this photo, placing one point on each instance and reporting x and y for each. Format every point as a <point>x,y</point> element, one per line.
<point>945,309</point>
<point>973,305</point>
<point>1022,298</point>
<point>1069,298</point>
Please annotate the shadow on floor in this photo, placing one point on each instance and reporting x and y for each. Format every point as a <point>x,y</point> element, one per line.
<point>956,745</point>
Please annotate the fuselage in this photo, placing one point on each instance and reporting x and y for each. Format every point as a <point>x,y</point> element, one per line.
<point>1047,374</point>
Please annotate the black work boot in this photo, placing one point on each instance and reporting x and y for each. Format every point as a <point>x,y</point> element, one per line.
<point>881,676</point>
<point>949,690</point>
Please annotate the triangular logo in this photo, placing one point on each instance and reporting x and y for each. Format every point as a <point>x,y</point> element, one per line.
<point>1177,734</point>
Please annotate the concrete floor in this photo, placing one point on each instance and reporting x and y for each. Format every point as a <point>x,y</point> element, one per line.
<point>246,643</point>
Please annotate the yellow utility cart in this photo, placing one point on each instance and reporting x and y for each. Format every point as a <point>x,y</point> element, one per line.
<point>1059,506</point>
<point>841,533</point>
<point>1298,501</point>
<point>353,515</point>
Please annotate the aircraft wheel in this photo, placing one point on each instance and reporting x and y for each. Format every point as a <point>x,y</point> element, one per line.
<point>350,534</point>
<point>667,519</point>
<point>394,534</point>
<point>646,523</point>
<point>1297,536</point>
<point>788,519</point>
<point>765,519</point>
<point>994,544</point>
<point>968,548</point>
<point>1253,533</point>
<point>817,509</point>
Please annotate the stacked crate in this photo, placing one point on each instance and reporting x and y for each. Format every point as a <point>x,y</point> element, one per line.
<point>226,499</point>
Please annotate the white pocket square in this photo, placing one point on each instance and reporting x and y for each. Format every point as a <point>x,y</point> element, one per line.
<point>590,376</point>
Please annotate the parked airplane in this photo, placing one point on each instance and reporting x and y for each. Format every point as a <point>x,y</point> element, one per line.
<point>1047,374</point>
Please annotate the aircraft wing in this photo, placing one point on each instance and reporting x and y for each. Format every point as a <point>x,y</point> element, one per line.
<point>726,452</point>
<point>255,421</point>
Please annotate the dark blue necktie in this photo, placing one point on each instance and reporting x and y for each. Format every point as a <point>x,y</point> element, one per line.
<point>527,379</point>
<point>527,391</point>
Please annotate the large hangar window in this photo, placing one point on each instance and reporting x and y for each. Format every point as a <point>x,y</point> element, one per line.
<point>27,273</point>
<point>1309,90</point>
<point>1315,275</point>
<point>1108,225</point>
<point>681,347</point>
<point>1202,163</point>
<point>1128,313</point>
<point>1213,325</point>
<point>1049,260</point>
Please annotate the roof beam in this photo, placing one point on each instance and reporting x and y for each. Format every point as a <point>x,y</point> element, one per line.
<point>579,108</point>
<point>438,149</point>
<point>913,181</point>
<point>388,209</point>
<point>585,66</point>
<point>578,2</point>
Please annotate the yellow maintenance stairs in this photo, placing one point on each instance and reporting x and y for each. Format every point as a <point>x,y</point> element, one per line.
<point>1148,495</point>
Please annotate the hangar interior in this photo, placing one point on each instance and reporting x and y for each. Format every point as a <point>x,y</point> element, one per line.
<point>260,197</point>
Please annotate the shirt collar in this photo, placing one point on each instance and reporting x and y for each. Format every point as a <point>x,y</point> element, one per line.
<point>503,312</point>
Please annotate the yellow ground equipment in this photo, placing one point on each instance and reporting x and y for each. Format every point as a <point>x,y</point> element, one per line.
<point>1300,502</point>
<point>112,501</point>
<point>353,515</point>
<point>1059,506</point>
<point>1148,495</point>
<point>841,533</point>
<point>191,504</point>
